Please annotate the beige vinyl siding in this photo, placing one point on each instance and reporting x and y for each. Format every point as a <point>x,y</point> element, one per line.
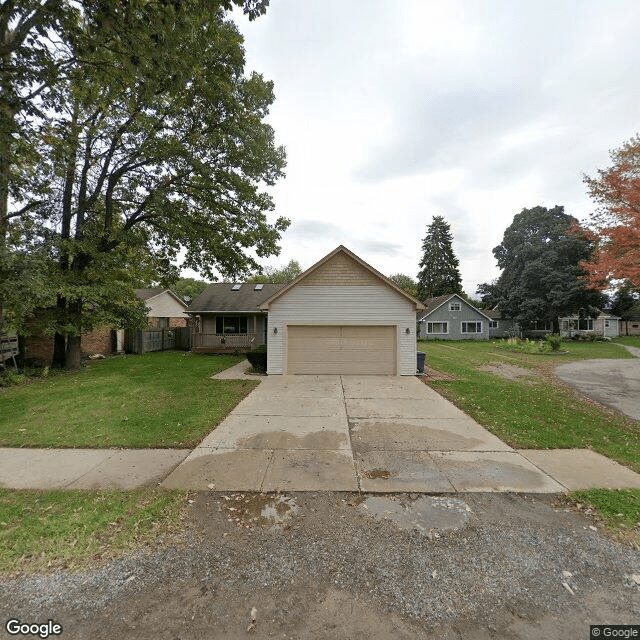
<point>377,304</point>
<point>165,306</point>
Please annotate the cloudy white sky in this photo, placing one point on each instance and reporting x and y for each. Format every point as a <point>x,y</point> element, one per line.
<point>392,111</point>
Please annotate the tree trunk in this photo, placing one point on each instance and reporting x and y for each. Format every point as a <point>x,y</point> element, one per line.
<point>59,351</point>
<point>74,353</point>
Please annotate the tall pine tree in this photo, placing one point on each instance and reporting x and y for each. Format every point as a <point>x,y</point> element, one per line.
<point>439,273</point>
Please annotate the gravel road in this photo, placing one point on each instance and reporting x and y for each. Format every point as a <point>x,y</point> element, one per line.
<point>474,566</point>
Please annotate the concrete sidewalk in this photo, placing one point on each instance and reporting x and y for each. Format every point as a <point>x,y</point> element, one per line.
<point>86,468</point>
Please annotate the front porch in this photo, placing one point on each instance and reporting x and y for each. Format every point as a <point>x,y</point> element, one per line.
<point>223,342</point>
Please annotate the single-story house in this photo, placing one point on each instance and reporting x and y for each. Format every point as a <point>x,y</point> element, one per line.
<point>603,325</point>
<point>166,309</point>
<point>451,317</point>
<point>341,316</point>
<point>227,317</point>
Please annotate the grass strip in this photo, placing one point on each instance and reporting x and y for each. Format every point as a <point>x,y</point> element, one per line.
<point>71,530</point>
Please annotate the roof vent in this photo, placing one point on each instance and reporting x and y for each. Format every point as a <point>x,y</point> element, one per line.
<point>236,287</point>
<point>258,287</point>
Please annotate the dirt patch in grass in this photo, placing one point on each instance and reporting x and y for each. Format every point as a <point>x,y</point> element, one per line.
<point>508,371</point>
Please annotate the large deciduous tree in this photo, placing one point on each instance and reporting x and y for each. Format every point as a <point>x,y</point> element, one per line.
<point>153,150</point>
<point>439,268</point>
<point>540,257</point>
<point>287,273</point>
<point>406,283</point>
<point>617,221</point>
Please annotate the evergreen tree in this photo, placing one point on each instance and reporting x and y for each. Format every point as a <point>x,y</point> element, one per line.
<point>439,273</point>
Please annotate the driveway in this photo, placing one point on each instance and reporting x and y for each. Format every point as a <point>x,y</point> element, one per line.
<point>354,433</point>
<point>613,383</point>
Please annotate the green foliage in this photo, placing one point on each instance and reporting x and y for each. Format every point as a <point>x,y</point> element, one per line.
<point>626,302</point>
<point>518,345</point>
<point>554,340</point>
<point>188,289</point>
<point>541,279</point>
<point>153,145</point>
<point>406,283</point>
<point>258,358</point>
<point>285,274</point>
<point>439,273</point>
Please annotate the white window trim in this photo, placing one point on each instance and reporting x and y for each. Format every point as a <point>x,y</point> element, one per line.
<point>495,323</point>
<point>443,333</point>
<point>475,333</point>
<point>455,306</point>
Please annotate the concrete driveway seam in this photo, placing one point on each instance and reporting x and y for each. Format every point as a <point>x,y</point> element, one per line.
<point>353,458</point>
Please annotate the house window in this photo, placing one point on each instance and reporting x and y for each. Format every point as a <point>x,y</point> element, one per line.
<point>163,323</point>
<point>472,327</point>
<point>606,324</point>
<point>585,324</point>
<point>231,324</point>
<point>437,327</point>
<point>565,325</point>
<point>454,306</point>
<point>493,324</point>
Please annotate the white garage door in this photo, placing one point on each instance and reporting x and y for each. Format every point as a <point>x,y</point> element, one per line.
<point>343,349</point>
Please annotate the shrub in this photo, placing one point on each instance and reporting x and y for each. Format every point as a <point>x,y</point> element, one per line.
<point>258,358</point>
<point>554,340</point>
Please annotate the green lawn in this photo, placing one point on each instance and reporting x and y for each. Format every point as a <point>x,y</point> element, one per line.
<point>536,411</point>
<point>632,341</point>
<point>156,400</point>
<point>619,509</point>
<point>53,530</point>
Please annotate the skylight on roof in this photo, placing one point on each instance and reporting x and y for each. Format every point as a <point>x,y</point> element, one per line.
<point>258,287</point>
<point>236,287</point>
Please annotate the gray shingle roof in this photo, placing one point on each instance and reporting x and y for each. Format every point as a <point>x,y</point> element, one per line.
<point>220,297</point>
<point>145,294</point>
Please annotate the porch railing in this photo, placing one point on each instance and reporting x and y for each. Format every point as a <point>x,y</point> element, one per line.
<point>224,340</point>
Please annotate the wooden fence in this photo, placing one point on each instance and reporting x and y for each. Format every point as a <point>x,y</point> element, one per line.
<point>157,340</point>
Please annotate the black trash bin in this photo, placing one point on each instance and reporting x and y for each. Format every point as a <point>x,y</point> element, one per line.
<point>421,355</point>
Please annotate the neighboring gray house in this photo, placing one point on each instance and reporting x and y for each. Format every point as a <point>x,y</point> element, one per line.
<point>451,317</point>
<point>500,326</point>
<point>227,316</point>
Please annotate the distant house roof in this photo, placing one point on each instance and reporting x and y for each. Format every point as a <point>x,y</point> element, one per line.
<point>221,296</point>
<point>145,294</point>
<point>431,304</point>
<point>152,292</point>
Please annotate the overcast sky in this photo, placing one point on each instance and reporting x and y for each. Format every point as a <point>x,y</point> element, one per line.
<point>393,111</point>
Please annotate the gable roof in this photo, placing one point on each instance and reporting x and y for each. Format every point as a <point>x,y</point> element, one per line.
<point>220,297</point>
<point>152,292</point>
<point>431,304</point>
<point>353,256</point>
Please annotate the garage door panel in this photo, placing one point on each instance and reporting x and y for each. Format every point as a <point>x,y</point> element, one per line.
<point>341,350</point>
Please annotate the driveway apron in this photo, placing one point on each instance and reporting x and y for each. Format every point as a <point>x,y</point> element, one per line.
<point>354,433</point>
